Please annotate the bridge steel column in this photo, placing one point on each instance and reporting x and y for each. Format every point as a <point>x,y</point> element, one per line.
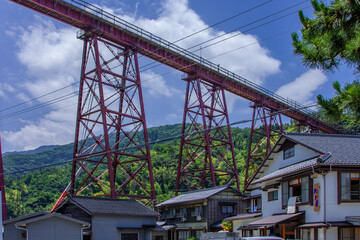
<point>266,126</point>
<point>206,157</point>
<point>2,187</point>
<point>111,150</point>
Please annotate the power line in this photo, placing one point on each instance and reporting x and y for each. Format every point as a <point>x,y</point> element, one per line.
<point>157,141</point>
<point>225,20</point>
<point>53,101</point>
<point>48,103</point>
<point>143,80</point>
<point>213,25</point>
<point>256,21</point>
<point>190,35</point>
<point>234,30</point>
<point>31,100</point>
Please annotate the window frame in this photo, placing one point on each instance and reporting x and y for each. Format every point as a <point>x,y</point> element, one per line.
<point>340,200</point>
<point>227,206</point>
<point>300,181</point>
<point>137,234</point>
<point>289,152</point>
<point>258,203</point>
<point>271,193</point>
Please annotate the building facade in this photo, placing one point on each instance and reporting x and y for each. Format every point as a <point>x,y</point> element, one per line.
<point>123,219</point>
<point>309,188</point>
<point>192,213</point>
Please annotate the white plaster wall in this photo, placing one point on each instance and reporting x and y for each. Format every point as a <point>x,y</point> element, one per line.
<point>269,208</point>
<point>104,227</point>
<point>301,153</point>
<point>335,211</point>
<point>310,215</point>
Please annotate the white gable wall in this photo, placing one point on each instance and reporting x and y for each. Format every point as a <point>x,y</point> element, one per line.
<point>301,153</point>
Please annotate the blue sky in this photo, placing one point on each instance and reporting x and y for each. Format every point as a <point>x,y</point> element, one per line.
<point>40,55</point>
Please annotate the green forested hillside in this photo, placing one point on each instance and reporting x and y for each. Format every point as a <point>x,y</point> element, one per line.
<point>35,190</point>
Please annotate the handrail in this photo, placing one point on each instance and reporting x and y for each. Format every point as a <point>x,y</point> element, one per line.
<point>194,57</point>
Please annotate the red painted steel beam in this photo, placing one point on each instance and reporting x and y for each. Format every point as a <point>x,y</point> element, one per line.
<point>2,187</point>
<point>123,33</point>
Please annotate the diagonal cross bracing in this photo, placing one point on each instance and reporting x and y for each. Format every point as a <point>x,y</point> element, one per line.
<point>111,143</point>
<point>206,149</point>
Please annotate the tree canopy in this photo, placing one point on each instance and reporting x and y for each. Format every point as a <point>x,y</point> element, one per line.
<point>328,40</point>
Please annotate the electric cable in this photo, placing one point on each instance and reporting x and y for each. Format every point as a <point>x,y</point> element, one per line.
<point>43,105</point>
<point>33,99</point>
<point>157,141</point>
<point>234,30</point>
<point>143,80</point>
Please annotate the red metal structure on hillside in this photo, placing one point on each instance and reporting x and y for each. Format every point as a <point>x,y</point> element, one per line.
<point>111,141</point>
<point>266,126</point>
<point>2,186</point>
<point>126,40</point>
<point>206,155</point>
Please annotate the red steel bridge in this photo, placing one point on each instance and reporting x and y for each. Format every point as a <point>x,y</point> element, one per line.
<point>111,153</point>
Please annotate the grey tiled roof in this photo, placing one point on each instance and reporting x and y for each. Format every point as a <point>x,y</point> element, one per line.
<point>196,195</point>
<point>51,215</point>
<point>25,217</point>
<point>344,149</point>
<point>287,170</point>
<point>125,207</point>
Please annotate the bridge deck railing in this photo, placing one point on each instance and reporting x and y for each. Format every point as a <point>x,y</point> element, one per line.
<point>194,57</point>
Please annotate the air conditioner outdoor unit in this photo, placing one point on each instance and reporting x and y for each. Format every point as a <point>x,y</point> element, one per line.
<point>198,218</point>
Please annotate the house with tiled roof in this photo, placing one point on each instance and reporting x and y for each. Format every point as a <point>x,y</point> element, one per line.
<point>11,231</point>
<point>113,218</point>
<point>195,212</point>
<point>309,188</point>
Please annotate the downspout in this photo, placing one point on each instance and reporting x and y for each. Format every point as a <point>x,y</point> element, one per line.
<point>324,176</point>
<point>18,227</point>
<point>82,230</point>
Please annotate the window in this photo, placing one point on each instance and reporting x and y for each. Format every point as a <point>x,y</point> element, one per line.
<point>248,206</point>
<point>305,234</point>
<point>198,211</point>
<point>182,212</point>
<point>198,234</point>
<point>157,238</point>
<point>256,202</point>
<point>350,233</point>
<point>299,187</point>
<point>227,209</point>
<point>350,187</point>
<point>171,213</point>
<point>288,153</point>
<point>129,236</point>
<point>184,235</point>
<point>273,195</point>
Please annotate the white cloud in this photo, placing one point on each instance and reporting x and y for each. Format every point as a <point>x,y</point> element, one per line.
<point>52,57</point>
<point>4,87</point>
<point>303,87</point>
<point>156,85</point>
<point>177,20</point>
